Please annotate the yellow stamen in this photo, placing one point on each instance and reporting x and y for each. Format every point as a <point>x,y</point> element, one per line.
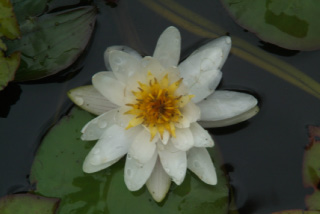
<point>157,106</point>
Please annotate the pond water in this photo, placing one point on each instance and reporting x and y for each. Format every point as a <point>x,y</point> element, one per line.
<point>263,156</point>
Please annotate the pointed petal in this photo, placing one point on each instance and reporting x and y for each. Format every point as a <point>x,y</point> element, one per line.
<point>168,47</point>
<point>200,163</point>
<point>205,60</point>
<point>159,182</point>
<point>107,84</point>
<point>201,137</point>
<point>94,129</point>
<point>142,149</point>
<point>183,140</point>
<point>174,162</point>
<point>205,84</point>
<point>230,121</point>
<point>123,48</point>
<point>123,65</point>
<point>89,99</point>
<point>113,144</point>
<point>223,42</point>
<point>223,105</point>
<point>90,168</point>
<point>137,174</point>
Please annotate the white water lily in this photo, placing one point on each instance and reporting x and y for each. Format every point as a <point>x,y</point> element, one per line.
<point>148,110</point>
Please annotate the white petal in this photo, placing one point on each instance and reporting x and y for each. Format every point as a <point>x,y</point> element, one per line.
<point>150,64</point>
<point>123,65</point>
<point>168,47</point>
<point>90,168</point>
<point>123,48</point>
<point>230,121</point>
<point>191,112</point>
<point>89,99</point>
<point>205,84</point>
<point>225,104</point>
<point>183,122</point>
<point>136,174</point>
<point>142,149</point>
<point>174,162</point>
<point>205,60</point>
<point>224,43</point>
<point>201,137</point>
<point>109,86</point>
<point>200,163</point>
<point>94,129</point>
<point>183,140</point>
<point>165,137</point>
<point>159,182</point>
<point>113,144</point>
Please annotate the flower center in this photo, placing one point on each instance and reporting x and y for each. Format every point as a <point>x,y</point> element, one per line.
<point>157,106</point>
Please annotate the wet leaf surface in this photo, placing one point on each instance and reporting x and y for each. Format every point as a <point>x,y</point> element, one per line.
<point>311,168</point>
<point>57,172</point>
<point>52,42</point>
<point>292,25</point>
<point>28,204</point>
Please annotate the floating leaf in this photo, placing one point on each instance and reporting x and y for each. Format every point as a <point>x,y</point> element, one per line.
<point>52,42</point>
<point>289,24</point>
<point>57,172</point>
<point>311,168</point>
<point>28,9</point>
<point>28,204</point>
<point>10,29</point>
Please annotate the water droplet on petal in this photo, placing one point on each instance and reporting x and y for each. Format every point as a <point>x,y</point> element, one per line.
<point>78,100</point>
<point>129,172</point>
<point>102,124</point>
<point>196,164</point>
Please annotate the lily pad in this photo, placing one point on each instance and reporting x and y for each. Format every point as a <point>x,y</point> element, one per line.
<point>10,29</point>
<point>28,9</point>
<point>52,42</point>
<point>57,172</point>
<point>311,168</point>
<point>288,24</point>
<point>28,204</point>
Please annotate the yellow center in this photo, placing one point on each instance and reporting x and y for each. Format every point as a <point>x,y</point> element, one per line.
<point>157,106</point>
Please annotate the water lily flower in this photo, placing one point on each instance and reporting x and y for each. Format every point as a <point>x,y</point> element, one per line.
<point>150,108</point>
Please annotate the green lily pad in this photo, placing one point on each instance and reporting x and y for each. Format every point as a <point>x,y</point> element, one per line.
<point>57,172</point>
<point>28,9</point>
<point>10,29</point>
<point>52,42</point>
<point>28,204</point>
<point>289,24</point>
<point>311,168</point>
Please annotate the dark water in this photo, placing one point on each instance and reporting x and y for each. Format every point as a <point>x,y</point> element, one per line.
<point>263,155</point>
